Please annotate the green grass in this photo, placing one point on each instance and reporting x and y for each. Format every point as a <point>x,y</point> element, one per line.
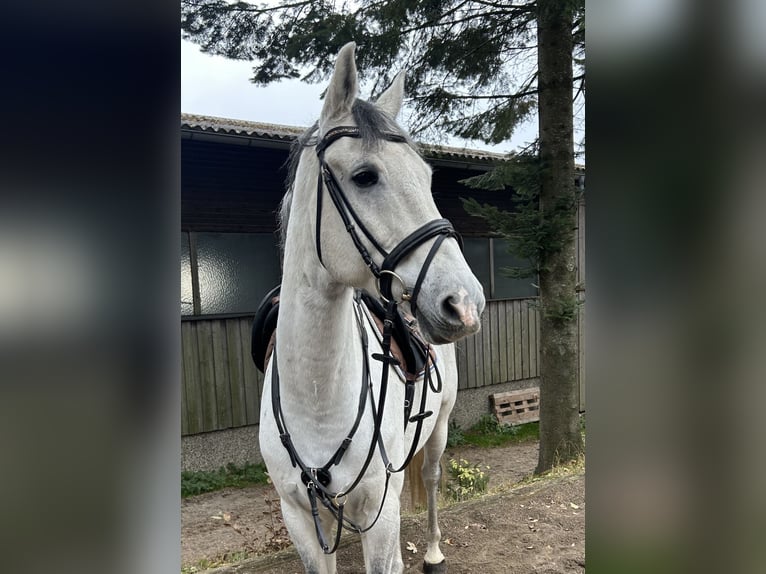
<point>197,482</point>
<point>485,433</point>
<point>488,433</point>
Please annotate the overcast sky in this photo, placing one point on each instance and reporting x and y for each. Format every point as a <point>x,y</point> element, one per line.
<point>215,86</point>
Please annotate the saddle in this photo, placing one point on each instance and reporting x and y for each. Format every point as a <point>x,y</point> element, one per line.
<point>407,344</point>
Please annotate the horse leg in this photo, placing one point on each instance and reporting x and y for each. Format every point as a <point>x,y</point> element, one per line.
<point>300,525</point>
<point>381,545</point>
<point>434,562</point>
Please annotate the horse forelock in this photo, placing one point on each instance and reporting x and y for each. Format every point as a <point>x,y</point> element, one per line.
<point>374,124</point>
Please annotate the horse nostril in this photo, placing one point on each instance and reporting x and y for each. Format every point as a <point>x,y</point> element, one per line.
<point>451,309</point>
<point>460,311</point>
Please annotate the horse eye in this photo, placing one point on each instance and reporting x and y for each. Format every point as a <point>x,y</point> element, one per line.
<point>365,178</point>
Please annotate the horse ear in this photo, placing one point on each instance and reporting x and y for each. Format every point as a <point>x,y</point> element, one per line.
<point>343,88</point>
<point>390,101</point>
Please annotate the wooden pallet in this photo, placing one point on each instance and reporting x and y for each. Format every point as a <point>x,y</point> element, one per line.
<point>517,407</point>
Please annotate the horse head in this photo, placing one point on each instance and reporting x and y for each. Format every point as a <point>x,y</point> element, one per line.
<point>377,226</point>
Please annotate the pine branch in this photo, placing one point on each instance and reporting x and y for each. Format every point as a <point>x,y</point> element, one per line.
<point>435,23</point>
<point>244,7</point>
<point>526,7</point>
<point>516,96</point>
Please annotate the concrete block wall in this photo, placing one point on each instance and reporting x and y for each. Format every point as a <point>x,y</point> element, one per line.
<point>212,450</point>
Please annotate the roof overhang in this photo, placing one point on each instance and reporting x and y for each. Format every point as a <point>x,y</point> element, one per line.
<point>255,134</point>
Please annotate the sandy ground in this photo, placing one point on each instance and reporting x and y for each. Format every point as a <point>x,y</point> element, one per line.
<point>535,527</point>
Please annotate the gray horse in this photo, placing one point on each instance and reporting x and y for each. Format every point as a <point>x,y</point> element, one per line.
<point>334,432</point>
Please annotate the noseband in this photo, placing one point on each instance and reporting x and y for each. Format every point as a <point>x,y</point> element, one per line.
<point>384,273</point>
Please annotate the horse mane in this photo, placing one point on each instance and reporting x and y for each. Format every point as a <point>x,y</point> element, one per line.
<point>373,124</point>
<point>304,140</point>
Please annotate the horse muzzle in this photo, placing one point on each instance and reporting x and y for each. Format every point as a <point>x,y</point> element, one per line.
<point>451,316</point>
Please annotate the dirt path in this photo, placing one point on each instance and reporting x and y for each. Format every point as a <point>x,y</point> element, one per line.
<point>538,527</point>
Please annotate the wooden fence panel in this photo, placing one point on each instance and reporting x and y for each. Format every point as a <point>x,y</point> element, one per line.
<point>236,374</point>
<point>486,341</point>
<point>222,377</point>
<point>517,362</point>
<point>512,374</point>
<point>460,354</point>
<point>184,411</point>
<point>506,348</point>
<point>253,377</point>
<point>478,361</point>
<point>524,315</point>
<point>501,342</point>
<point>490,344</point>
<point>207,376</point>
<point>192,380</point>
<point>222,387</point>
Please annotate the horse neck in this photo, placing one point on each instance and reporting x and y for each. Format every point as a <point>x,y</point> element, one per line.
<point>319,349</point>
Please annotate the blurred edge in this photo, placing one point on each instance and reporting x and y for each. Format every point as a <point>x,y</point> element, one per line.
<point>677,269</point>
<point>89,382</point>
<point>676,273</point>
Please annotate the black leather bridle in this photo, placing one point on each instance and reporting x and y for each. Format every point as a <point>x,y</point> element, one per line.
<point>384,273</point>
<point>317,479</point>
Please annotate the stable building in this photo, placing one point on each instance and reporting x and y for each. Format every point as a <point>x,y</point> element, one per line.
<point>232,180</point>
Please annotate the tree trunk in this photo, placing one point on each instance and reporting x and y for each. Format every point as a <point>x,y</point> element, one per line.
<point>560,438</point>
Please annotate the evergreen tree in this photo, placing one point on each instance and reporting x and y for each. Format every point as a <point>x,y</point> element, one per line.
<point>470,72</point>
<point>470,64</point>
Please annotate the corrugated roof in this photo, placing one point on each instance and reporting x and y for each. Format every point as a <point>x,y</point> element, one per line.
<point>286,134</point>
<point>240,127</point>
<point>280,133</point>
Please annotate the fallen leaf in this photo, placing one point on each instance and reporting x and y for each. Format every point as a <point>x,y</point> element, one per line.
<point>449,542</point>
<point>216,517</point>
<point>530,547</point>
<point>412,548</point>
<point>226,517</point>
<point>573,505</point>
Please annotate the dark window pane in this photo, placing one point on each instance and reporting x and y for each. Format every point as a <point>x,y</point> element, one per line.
<point>236,270</point>
<point>476,251</point>
<point>505,287</point>
<point>187,303</point>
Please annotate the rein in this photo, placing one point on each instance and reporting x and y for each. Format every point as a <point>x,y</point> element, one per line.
<point>317,480</point>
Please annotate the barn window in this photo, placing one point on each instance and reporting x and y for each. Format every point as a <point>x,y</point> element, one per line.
<point>187,292</point>
<point>233,271</point>
<point>476,251</point>
<point>505,287</point>
<point>488,257</point>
